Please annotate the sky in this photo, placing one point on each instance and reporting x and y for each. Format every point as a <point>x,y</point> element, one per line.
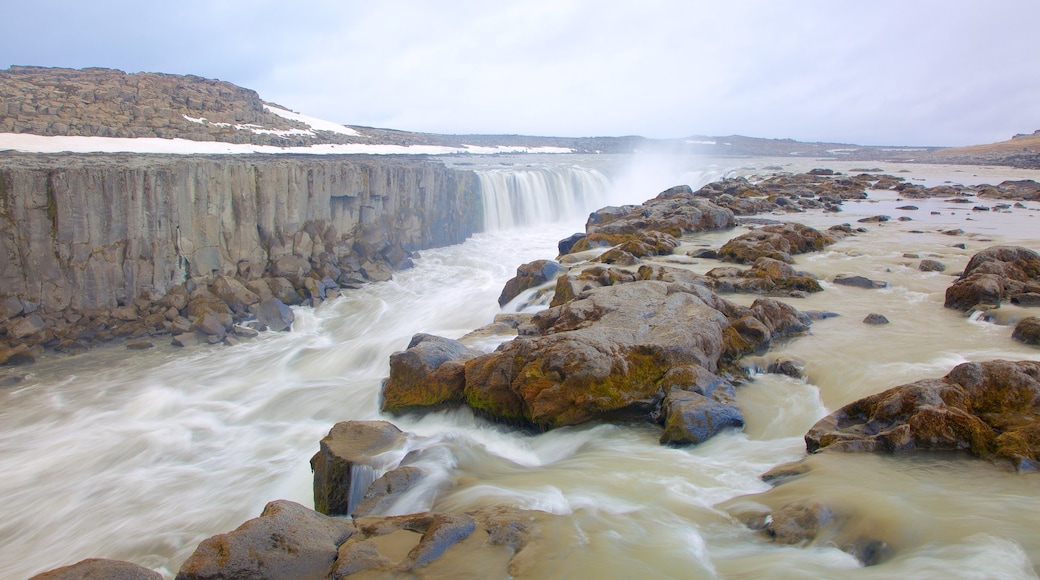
<point>921,72</point>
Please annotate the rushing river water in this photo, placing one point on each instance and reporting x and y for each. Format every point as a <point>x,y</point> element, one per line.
<point>142,456</point>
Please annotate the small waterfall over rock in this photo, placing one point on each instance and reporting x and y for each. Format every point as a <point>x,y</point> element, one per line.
<point>527,196</point>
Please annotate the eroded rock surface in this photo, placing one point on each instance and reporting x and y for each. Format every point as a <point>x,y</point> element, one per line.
<point>93,568</point>
<point>989,409</point>
<point>286,541</point>
<point>993,275</point>
<point>348,461</point>
<point>779,242</point>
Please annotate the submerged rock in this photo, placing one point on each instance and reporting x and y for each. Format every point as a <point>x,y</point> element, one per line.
<point>990,409</point>
<point>859,282</point>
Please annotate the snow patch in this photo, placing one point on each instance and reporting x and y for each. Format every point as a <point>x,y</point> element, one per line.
<point>314,122</point>
<point>692,142</point>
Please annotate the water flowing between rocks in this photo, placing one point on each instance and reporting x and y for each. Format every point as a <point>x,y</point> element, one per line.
<point>142,456</point>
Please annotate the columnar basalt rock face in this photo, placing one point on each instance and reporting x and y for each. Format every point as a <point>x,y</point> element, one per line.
<point>96,231</point>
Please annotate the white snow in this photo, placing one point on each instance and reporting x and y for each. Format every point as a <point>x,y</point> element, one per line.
<point>314,122</point>
<point>692,142</point>
<point>39,144</point>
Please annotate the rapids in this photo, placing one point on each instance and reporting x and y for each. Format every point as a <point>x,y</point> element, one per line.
<point>142,456</point>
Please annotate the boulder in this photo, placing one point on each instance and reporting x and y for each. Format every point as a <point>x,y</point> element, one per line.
<point>430,373</point>
<point>286,541</point>
<point>875,318</point>
<point>347,463</point>
<point>26,326</point>
<point>275,315</point>
<point>1028,331</point>
<point>283,290</point>
<point>931,266</point>
<point>698,409</point>
<point>506,541</point>
<point>234,294</point>
<point>778,242</point>
<point>528,276</point>
<point>99,568</point>
<point>989,409</point>
<point>993,275</point>
<point>859,282</point>
<point>387,489</point>
<point>766,276</point>
<point>18,355</point>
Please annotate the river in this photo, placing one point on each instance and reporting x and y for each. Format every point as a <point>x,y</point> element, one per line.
<point>141,456</point>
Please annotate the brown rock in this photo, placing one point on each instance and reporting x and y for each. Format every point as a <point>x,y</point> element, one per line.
<point>286,541</point>
<point>993,275</point>
<point>989,409</point>
<point>95,568</point>
<point>345,465</point>
<point>430,373</point>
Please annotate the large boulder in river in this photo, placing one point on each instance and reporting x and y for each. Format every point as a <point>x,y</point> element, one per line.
<point>275,315</point>
<point>607,351</point>
<point>431,372</point>
<point>1027,331</point>
<point>993,275</point>
<point>991,409</point>
<point>348,462</point>
<point>779,242</point>
<point>286,541</point>
<point>529,276</point>
<point>766,276</point>
<point>653,227</point>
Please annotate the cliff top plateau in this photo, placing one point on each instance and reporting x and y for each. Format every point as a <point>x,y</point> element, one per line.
<point>51,110</point>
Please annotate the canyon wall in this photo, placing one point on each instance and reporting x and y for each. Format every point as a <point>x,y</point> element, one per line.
<point>97,231</point>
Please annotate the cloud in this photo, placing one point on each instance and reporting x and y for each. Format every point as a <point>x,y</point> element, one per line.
<point>883,73</point>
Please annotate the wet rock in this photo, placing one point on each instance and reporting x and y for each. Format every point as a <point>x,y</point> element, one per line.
<point>1026,299</point>
<point>19,355</point>
<point>139,344</point>
<point>989,409</point>
<point>346,463</point>
<point>446,545</point>
<point>820,314</point>
<point>376,271</point>
<point>387,489</point>
<point>786,366</point>
<point>874,219</point>
<point>529,276</point>
<point>275,315</point>
<point>565,245</point>
<point>859,282</point>
<point>705,253</point>
<point>1028,331</point>
<point>766,276</point>
<point>429,373</point>
<point>778,242</point>
<point>652,228</point>
<point>931,266</point>
<point>286,541</point>
<point>908,207</point>
<point>691,417</point>
<point>100,568</point>
<point>993,275</point>
<point>911,255</point>
<point>875,318</point>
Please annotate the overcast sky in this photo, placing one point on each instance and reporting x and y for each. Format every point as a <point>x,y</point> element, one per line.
<point>899,73</point>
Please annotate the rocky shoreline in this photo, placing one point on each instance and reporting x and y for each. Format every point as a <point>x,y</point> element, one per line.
<point>629,339</point>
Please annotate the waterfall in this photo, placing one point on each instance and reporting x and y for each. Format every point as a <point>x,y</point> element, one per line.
<point>527,196</point>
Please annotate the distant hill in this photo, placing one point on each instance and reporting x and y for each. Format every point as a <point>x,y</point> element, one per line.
<point>98,102</point>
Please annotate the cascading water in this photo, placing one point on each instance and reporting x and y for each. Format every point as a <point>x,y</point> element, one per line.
<point>141,457</point>
<point>531,196</point>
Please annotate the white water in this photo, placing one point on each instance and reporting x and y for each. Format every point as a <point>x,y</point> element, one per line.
<point>141,457</point>
<point>529,196</point>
